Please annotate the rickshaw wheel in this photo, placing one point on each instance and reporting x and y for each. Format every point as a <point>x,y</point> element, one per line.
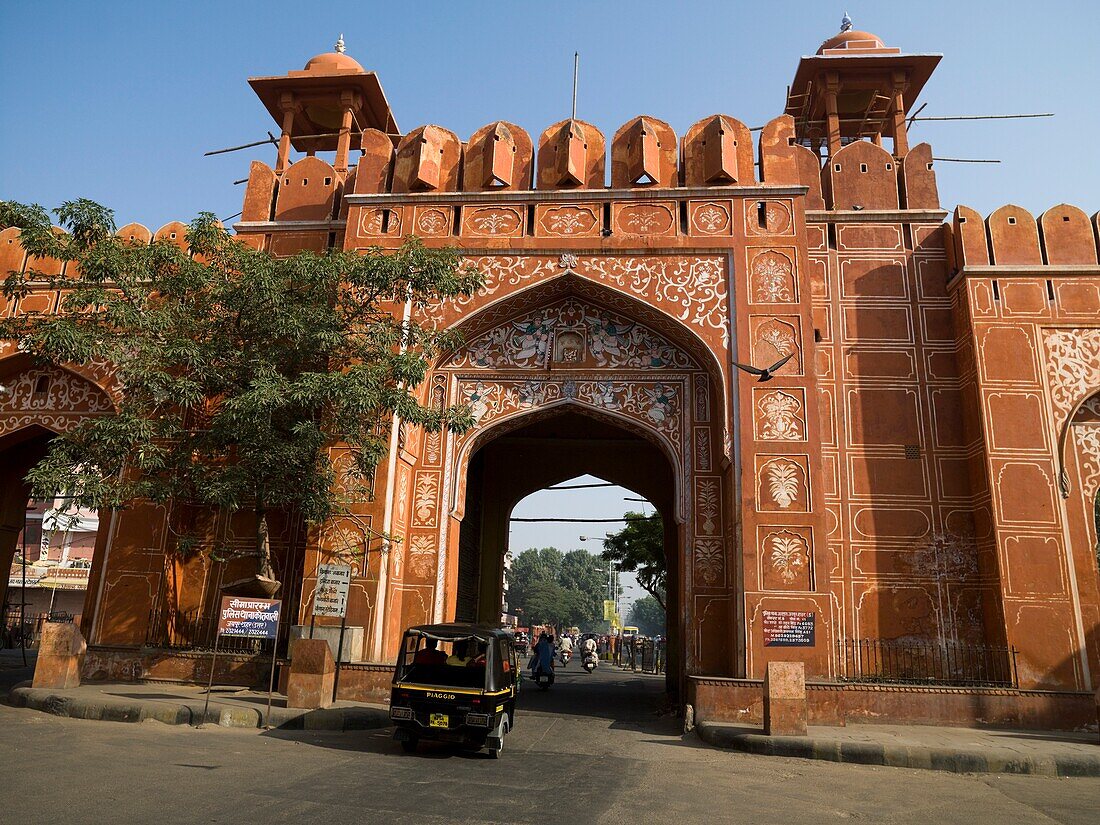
<point>409,745</point>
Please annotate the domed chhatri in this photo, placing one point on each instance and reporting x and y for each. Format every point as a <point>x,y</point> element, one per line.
<point>849,39</point>
<point>334,62</point>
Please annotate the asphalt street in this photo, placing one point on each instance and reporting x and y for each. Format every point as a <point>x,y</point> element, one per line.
<point>596,748</point>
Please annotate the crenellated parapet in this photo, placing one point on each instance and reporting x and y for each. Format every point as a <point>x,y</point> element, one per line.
<point>418,183</point>
<point>1062,237</point>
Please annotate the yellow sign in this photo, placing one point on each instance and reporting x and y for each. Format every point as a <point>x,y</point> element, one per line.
<point>608,609</point>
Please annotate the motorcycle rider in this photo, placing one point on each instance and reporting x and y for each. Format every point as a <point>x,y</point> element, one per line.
<point>588,653</point>
<point>565,649</point>
<point>543,655</point>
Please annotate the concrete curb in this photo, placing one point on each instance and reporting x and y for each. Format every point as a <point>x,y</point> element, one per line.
<point>176,713</point>
<point>954,760</point>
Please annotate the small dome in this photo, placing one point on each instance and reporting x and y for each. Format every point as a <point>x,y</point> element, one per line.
<point>332,63</point>
<point>852,40</point>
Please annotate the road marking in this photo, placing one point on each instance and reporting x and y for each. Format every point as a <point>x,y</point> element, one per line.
<point>544,733</point>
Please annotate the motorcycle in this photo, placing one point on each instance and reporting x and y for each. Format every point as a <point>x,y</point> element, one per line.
<point>564,656</point>
<point>542,678</point>
<point>590,661</point>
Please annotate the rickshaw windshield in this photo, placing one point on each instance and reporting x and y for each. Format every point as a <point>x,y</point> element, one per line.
<point>426,660</point>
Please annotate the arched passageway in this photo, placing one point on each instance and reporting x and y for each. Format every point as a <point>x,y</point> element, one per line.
<point>553,447</point>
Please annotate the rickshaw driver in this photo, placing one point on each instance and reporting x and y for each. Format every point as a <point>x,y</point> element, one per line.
<point>430,654</point>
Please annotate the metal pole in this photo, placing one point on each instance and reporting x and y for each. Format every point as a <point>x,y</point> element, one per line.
<point>271,678</point>
<point>210,683</point>
<point>576,68</point>
<point>23,595</point>
<point>339,653</point>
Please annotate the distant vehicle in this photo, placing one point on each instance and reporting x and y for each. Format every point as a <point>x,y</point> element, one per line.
<point>630,630</point>
<point>522,643</point>
<point>455,683</point>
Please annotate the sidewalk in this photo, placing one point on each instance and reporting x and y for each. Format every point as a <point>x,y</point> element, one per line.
<point>958,750</point>
<point>175,704</point>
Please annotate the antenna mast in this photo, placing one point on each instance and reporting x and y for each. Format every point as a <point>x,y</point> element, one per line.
<point>576,68</point>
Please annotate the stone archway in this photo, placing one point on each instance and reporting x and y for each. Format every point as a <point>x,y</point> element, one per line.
<point>583,347</point>
<point>37,402</point>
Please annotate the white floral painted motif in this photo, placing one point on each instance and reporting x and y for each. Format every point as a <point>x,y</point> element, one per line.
<point>787,552</point>
<point>642,219</point>
<point>783,482</point>
<point>711,218</point>
<point>691,289</point>
<point>709,562</point>
<point>567,260</point>
<point>421,555</point>
<point>613,340</point>
<point>706,503</point>
<point>780,417</point>
<point>1074,365</point>
<point>431,222</point>
<point>772,279</point>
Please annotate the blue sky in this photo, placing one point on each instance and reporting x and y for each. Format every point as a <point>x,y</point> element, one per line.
<point>117,101</point>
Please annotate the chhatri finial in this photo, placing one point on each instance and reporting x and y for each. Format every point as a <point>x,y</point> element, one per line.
<point>845,23</point>
<point>340,42</point>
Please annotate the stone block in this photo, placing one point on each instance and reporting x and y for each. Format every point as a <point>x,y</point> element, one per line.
<point>60,656</point>
<point>353,639</point>
<point>312,674</point>
<point>785,707</point>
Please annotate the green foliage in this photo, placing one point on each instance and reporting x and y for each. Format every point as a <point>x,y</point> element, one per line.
<point>562,589</point>
<point>639,548</point>
<point>648,615</point>
<point>236,369</point>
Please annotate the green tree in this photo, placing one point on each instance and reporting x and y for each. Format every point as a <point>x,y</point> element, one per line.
<point>238,369</point>
<point>529,568</point>
<point>586,575</point>
<point>648,615</point>
<point>639,548</point>
<point>564,589</point>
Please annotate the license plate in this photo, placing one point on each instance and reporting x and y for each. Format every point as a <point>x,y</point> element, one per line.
<point>439,720</point>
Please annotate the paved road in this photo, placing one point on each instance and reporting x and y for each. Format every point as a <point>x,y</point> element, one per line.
<point>593,749</point>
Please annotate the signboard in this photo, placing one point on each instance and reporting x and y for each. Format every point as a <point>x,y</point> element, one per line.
<point>608,609</point>
<point>331,596</point>
<point>252,618</point>
<point>788,628</point>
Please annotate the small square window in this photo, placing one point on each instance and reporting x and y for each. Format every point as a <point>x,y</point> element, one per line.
<point>863,167</point>
<point>1011,221</point>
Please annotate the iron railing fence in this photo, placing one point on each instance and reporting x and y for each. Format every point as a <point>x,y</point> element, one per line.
<point>195,630</point>
<point>926,662</point>
<point>15,628</point>
<point>644,654</point>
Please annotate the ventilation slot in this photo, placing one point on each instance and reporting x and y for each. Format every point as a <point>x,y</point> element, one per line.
<point>1011,221</point>
<point>817,336</point>
<point>42,385</point>
<point>1050,291</point>
<point>996,291</point>
<point>762,214</point>
<point>863,167</point>
<point>912,452</point>
<point>386,221</point>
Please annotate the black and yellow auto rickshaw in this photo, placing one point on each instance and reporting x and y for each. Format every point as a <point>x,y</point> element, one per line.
<point>455,683</point>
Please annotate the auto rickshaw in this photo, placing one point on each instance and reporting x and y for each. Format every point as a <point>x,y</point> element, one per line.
<point>455,683</point>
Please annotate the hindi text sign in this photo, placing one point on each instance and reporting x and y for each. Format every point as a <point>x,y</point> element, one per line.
<point>331,596</point>
<point>788,628</point>
<point>251,618</point>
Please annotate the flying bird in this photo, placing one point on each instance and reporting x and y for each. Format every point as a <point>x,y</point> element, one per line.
<point>768,373</point>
